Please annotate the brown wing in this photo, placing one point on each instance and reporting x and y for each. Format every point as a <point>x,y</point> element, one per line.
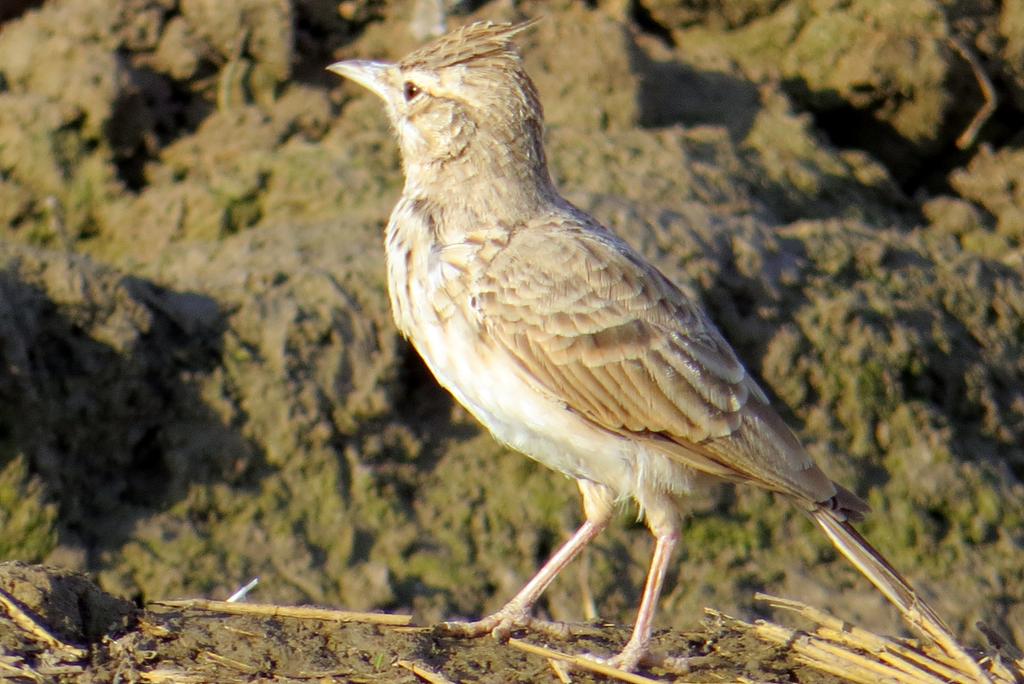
<point>609,335</point>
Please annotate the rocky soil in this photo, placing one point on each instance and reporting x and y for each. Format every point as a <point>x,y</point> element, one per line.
<point>201,382</point>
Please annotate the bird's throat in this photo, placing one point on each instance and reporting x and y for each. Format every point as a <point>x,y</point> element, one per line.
<point>503,186</point>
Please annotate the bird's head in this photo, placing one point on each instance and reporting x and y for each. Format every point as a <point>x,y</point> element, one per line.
<point>463,98</point>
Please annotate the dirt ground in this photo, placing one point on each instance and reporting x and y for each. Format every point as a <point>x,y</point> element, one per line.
<point>187,644</point>
<point>201,383</point>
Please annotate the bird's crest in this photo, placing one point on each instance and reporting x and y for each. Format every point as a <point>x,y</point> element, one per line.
<point>474,41</point>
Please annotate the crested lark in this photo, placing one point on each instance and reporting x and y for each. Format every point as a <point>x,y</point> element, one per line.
<point>564,341</point>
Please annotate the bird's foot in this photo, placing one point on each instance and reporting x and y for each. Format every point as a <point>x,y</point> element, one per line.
<point>632,657</point>
<point>501,624</point>
<point>627,660</point>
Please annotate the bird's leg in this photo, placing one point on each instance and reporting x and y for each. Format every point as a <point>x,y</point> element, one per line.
<point>662,515</point>
<point>636,647</point>
<point>598,506</point>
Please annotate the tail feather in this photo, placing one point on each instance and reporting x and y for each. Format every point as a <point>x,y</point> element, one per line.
<point>917,613</point>
<point>846,504</point>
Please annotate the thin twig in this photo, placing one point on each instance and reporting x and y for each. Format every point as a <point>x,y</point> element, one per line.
<point>967,138</point>
<point>298,612</point>
<point>581,662</point>
<point>244,591</point>
<point>898,655</point>
<point>57,670</point>
<point>30,625</point>
<point>17,669</point>
<point>858,655</point>
<point>832,658</point>
<point>915,663</point>
<point>560,670</point>
<point>231,70</point>
<point>889,650</point>
<point>424,673</point>
<point>230,663</point>
<point>161,675</point>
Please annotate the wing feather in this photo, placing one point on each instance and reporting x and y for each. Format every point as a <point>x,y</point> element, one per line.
<point>597,327</point>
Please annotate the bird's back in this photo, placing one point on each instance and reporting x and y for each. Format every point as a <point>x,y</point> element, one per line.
<point>597,331</point>
<point>603,329</point>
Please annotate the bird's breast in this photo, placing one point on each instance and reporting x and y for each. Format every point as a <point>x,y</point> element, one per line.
<point>432,294</point>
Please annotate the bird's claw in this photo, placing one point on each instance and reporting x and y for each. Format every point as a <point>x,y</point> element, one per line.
<point>502,624</point>
<point>632,658</point>
<point>627,662</point>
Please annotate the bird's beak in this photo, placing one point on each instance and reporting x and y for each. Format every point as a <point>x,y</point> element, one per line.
<point>370,75</point>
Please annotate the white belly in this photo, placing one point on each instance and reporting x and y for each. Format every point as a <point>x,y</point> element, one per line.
<point>529,421</point>
<point>492,387</point>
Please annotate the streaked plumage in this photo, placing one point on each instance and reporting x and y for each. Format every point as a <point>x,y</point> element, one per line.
<point>560,338</point>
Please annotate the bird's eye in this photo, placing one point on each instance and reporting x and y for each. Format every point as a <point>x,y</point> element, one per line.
<point>411,91</point>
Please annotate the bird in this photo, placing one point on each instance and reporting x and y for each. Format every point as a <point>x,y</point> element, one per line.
<point>564,341</point>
